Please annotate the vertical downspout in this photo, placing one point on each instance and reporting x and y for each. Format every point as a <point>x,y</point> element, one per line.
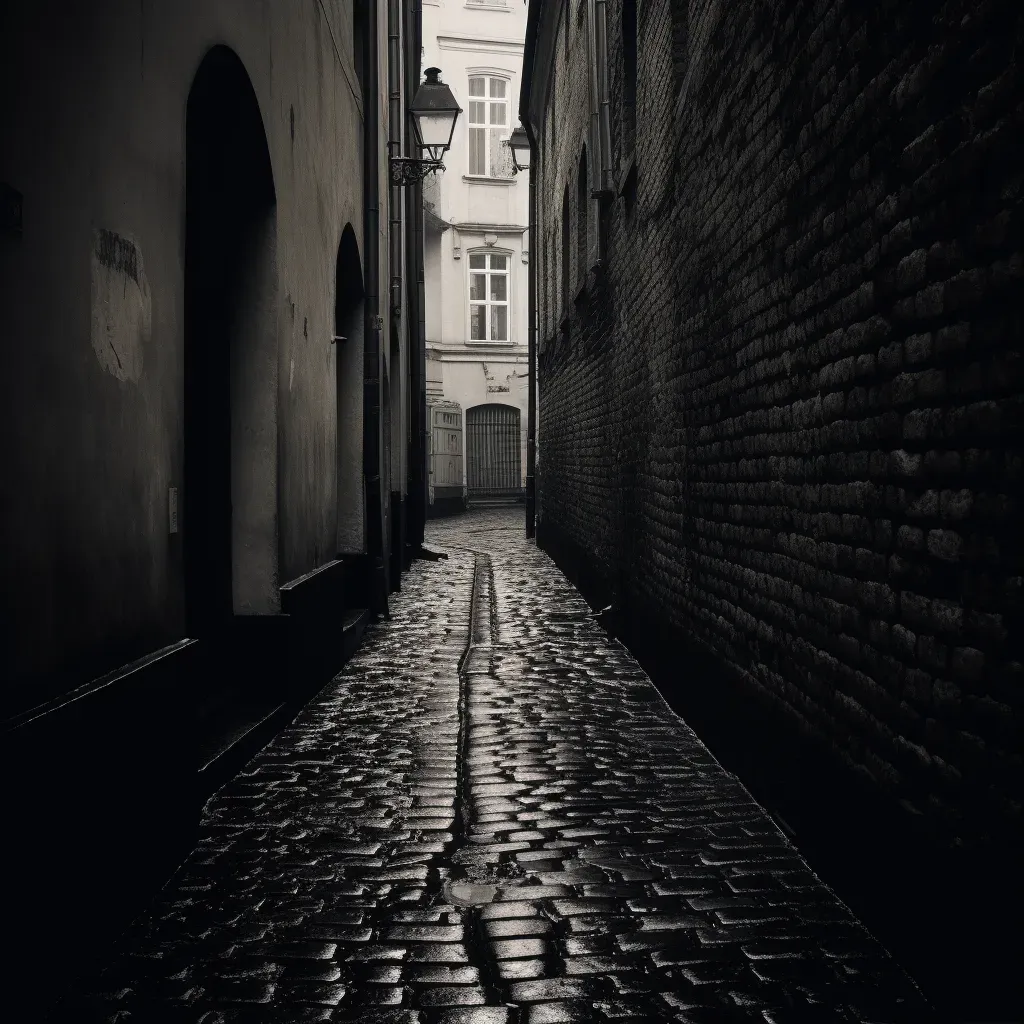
<point>418,356</point>
<point>594,142</point>
<point>395,148</point>
<point>395,136</point>
<point>371,316</point>
<point>604,96</point>
<point>531,414</point>
<point>421,355</point>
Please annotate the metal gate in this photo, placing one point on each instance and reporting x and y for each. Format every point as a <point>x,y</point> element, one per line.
<point>493,457</point>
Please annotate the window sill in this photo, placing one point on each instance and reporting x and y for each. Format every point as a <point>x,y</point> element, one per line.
<point>486,179</point>
<point>484,7</point>
<point>493,344</point>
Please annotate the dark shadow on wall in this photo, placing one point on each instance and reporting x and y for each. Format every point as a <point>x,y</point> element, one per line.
<point>943,911</point>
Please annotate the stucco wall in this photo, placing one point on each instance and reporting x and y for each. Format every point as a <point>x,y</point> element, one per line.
<point>478,383</point>
<point>94,138</point>
<point>462,39</point>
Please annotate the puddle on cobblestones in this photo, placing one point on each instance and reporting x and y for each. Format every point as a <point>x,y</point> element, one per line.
<point>470,894</point>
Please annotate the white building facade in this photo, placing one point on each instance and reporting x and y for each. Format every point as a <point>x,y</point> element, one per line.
<point>477,246</point>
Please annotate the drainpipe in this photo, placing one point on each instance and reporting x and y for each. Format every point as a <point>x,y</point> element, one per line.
<point>531,415</point>
<point>603,95</point>
<point>395,198</point>
<point>418,355</point>
<point>374,508</point>
<point>594,142</point>
<point>421,359</point>
<point>394,150</point>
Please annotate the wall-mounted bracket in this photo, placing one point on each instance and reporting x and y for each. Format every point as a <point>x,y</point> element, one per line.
<point>407,170</point>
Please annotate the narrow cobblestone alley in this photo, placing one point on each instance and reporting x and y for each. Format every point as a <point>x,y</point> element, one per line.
<point>492,816</point>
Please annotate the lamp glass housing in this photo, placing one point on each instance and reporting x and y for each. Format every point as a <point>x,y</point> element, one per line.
<point>435,130</point>
<point>520,146</point>
<point>434,113</point>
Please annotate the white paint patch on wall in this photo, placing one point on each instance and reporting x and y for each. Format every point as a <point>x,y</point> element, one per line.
<point>122,306</point>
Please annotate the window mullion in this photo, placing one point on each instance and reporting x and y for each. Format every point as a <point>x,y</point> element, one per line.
<point>490,162</point>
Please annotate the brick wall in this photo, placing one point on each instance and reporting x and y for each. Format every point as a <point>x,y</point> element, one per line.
<point>784,416</point>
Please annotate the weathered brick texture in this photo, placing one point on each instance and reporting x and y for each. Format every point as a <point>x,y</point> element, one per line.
<point>785,414</point>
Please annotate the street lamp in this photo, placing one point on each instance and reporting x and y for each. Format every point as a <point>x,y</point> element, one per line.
<point>434,113</point>
<point>520,146</point>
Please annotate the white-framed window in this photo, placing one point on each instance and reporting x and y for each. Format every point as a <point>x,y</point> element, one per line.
<point>488,296</point>
<point>488,126</point>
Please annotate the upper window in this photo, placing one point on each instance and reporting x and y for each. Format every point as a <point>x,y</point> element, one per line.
<point>488,127</point>
<point>488,296</point>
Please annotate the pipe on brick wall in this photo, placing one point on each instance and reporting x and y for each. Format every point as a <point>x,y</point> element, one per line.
<point>394,150</point>
<point>531,358</point>
<point>371,313</point>
<point>604,95</point>
<point>395,239</point>
<point>593,88</point>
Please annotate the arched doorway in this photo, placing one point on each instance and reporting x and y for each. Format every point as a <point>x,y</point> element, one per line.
<point>348,325</point>
<point>230,382</point>
<point>493,456</point>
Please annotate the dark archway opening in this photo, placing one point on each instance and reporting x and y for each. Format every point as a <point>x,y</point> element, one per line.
<point>348,325</point>
<point>230,381</point>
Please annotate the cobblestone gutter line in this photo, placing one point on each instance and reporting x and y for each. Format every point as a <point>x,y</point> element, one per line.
<point>491,816</point>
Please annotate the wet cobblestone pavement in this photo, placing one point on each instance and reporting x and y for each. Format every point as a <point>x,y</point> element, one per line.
<point>491,817</point>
